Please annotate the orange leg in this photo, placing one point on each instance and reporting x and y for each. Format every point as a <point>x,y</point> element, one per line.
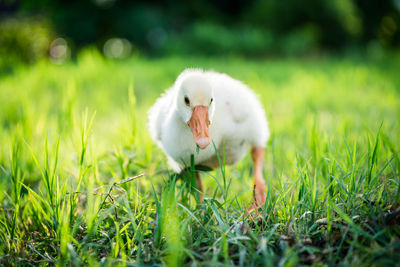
<point>200,186</point>
<point>257,153</point>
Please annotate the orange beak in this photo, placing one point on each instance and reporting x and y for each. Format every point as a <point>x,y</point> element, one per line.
<point>199,124</point>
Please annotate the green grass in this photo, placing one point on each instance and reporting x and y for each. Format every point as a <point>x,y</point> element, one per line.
<point>71,134</point>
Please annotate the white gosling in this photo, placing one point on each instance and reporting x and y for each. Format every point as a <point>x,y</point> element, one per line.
<point>203,108</point>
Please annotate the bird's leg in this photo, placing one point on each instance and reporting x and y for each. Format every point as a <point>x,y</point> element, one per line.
<point>200,186</point>
<point>257,154</point>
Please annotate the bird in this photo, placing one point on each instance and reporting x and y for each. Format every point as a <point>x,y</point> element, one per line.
<point>204,113</point>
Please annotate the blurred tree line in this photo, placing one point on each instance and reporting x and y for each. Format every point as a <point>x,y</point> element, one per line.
<point>249,28</point>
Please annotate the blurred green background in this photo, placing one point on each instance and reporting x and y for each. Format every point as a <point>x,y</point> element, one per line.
<point>34,29</point>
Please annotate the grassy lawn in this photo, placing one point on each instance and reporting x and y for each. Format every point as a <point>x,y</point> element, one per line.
<point>71,134</point>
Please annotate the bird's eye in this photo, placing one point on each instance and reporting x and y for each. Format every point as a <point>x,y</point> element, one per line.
<point>211,100</point>
<point>187,101</point>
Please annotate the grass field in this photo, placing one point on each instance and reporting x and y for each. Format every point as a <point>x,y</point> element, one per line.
<point>70,136</point>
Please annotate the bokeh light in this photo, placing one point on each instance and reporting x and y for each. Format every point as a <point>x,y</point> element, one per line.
<point>117,48</point>
<point>104,3</point>
<point>156,37</point>
<point>59,51</point>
